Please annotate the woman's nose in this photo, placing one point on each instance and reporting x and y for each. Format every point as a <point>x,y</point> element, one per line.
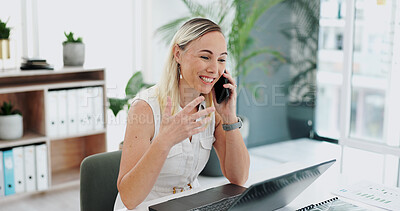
<point>213,67</point>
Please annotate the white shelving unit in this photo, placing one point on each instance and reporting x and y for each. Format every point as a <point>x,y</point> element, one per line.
<point>28,91</point>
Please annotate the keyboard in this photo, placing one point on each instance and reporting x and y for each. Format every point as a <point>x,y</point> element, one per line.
<point>221,205</point>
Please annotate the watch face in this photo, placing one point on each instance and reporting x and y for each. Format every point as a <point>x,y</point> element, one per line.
<point>240,122</point>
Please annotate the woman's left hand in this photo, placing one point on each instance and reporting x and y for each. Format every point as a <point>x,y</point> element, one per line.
<point>227,108</point>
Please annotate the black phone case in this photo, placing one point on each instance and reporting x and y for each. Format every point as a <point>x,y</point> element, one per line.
<point>221,93</point>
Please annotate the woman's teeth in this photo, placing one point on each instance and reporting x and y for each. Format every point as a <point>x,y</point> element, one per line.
<point>208,80</point>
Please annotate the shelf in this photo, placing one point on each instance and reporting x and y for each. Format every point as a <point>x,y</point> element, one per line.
<point>28,138</point>
<point>65,176</point>
<point>64,70</point>
<point>91,133</point>
<point>40,86</point>
<point>10,82</point>
<point>29,92</point>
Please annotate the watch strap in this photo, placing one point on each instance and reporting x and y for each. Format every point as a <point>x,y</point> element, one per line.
<point>228,127</point>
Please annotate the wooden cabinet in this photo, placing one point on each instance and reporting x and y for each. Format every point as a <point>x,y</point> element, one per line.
<point>29,91</point>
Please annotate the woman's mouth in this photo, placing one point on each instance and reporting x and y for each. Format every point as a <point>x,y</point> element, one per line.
<point>207,80</point>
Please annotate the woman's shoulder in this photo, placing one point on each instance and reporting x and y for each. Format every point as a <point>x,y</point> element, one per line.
<point>147,94</point>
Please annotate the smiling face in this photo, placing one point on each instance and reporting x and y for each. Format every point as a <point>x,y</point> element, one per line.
<point>203,62</point>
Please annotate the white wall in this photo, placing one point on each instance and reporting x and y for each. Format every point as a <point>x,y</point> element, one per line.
<point>11,10</point>
<point>107,29</point>
<point>158,13</point>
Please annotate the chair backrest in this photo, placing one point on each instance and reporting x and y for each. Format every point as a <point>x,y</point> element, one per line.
<point>98,181</point>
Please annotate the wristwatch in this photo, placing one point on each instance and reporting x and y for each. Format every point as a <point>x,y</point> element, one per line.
<point>228,127</point>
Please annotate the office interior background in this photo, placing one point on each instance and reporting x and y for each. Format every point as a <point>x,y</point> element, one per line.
<point>348,93</point>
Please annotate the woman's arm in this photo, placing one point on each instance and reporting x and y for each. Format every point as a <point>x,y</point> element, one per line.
<point>142,160</point>
<point>232,152</point>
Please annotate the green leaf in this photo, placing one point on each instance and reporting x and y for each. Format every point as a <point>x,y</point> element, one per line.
<point>167,31</point>
<point>7,109</point>
<point>134,85</point>
<point>117,105</point>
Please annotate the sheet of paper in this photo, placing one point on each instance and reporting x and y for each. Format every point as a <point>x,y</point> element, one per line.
<point>372,194</point>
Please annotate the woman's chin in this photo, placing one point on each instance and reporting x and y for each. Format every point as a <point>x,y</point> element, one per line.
<point>205,91</point>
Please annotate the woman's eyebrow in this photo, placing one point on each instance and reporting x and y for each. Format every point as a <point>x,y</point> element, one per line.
<point>210,52</point>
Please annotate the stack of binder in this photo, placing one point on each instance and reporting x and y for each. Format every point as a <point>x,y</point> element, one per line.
<point>35,64</point>
<point>74,111</point>
<point>23,169</point>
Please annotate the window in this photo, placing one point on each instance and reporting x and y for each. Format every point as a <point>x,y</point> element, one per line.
<point>357,79</point>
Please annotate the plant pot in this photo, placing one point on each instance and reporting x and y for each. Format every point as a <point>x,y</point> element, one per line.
<point>300,118</point>
<point>73,54</point>
<point>11,127</point>
<point>4,48</point>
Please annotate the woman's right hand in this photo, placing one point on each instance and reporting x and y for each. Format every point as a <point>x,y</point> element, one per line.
<point>182,125</point>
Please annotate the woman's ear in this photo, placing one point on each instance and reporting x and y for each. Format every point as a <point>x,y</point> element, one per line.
<point>177,53</point>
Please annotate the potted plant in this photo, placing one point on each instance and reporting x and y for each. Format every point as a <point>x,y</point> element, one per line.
<point>134,85</point>
<point>73,50</point>
<point>4,41</point>
<point>11,124</point>
<point>301,89</point>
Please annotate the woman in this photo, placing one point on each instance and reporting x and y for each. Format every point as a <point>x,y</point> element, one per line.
<point>173,125</point>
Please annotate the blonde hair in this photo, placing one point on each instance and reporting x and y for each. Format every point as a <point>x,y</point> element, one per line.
<point>168,85</point>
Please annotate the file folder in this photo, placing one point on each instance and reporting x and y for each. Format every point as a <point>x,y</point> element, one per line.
<point>1,175</point>
<point>99,109</point>
<point>91,101</point>
<point>30,168</point>
<point>52,113</point>
<point>19,180</point>
<point>8,172</point>
<point>72,111</point>
<point>41,167</point>
<point>62,112</point>
<point>83,110</point>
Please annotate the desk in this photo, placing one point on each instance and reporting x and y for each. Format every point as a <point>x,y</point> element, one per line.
<point>276,159</point>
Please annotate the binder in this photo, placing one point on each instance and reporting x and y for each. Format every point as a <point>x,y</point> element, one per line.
<point>8,172</point>
<point>91,101</point>
<point>1,175</point>
<point>52,113</point>
<point>19,180</point>
<point>62,112</point>
<point>72,111</point>
<point>30,168</point>
<point>99,109</point>
<point>83,109</point>
<point>41,167</point>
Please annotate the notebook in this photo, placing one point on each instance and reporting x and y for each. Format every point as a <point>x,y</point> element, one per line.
<point>267,195</point>
<point>333,204</point>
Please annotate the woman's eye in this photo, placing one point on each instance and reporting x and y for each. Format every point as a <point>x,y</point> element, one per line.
<point>204,57</point>
<point>221,60</point>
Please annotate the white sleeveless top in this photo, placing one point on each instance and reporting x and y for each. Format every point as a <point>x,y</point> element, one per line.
<point>185,160</point>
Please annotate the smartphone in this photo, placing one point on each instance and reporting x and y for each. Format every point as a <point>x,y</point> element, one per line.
<point>221,93</point>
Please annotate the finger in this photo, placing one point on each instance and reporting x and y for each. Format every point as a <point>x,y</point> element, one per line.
<point>230,86</point>
<point>200,124</point>
<point>230,78</point>
<point>198,130</point>
<point>189,107</point>
<point>202,113</point>
<point>168,107</point>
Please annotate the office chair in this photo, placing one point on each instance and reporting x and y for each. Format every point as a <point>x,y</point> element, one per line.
<point>98,181</point>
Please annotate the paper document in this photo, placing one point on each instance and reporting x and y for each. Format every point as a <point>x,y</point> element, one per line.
<point>372,194</point>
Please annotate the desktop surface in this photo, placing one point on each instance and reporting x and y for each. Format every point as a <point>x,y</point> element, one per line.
<point>265,164</point>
